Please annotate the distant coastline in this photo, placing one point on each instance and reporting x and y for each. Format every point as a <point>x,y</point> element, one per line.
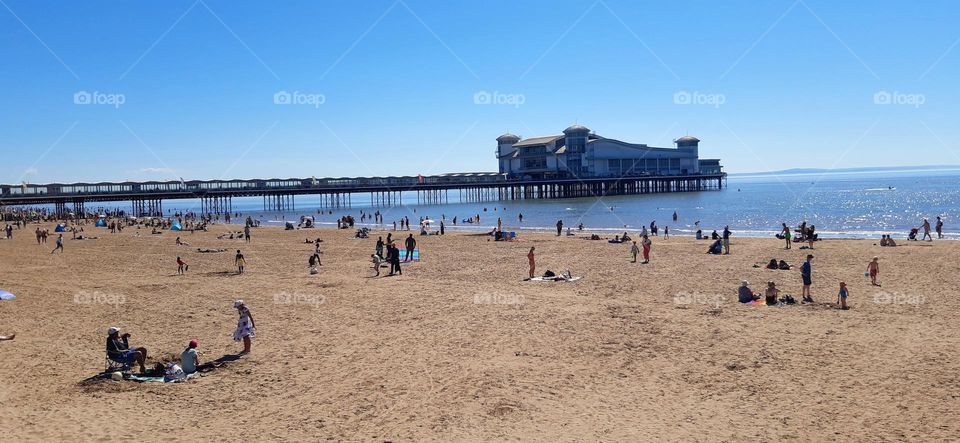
<point>863,170</point>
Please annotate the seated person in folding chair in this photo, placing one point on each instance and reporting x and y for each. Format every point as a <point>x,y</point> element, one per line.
<point>118,349</point>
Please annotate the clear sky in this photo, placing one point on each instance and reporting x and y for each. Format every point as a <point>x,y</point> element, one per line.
<point>157,90</point>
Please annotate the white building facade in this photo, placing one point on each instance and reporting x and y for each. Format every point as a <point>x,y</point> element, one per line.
<point>579,153</point>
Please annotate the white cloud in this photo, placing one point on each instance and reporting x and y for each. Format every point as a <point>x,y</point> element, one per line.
<point>156,171</point>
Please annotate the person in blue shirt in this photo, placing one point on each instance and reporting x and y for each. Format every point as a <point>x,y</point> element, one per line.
<point>805,273</point>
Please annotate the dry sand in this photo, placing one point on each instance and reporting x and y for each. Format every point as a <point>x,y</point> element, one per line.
<point>459,349</point>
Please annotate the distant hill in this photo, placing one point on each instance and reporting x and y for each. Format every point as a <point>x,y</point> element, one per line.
<point>800,171</point>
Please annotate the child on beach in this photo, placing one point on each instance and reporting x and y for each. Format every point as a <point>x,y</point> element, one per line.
<point>240,262</point>
<point>181,266</point>
<point>842,296</point>
<point>770,295</point>
<point>873,268</point>
<point>377,261</point>
<point>634,250</point>
<point>646,249</point>
<point>532,259</point>
<point>246,328</point>
<point>59,245</point>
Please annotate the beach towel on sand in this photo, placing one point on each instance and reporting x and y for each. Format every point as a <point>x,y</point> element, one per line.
<point>554,279</point>
<point>403,256</point>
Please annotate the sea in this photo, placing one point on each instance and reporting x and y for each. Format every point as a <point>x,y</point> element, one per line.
<point>863,204</point>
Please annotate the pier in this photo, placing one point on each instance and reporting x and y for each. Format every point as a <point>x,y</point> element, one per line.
<point>216,196</point>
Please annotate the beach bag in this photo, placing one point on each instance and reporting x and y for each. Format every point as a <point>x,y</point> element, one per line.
<point>549,273</point>
<point>788,299</point>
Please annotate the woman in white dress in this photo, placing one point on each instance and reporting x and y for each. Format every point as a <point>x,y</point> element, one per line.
<point>246,328</point>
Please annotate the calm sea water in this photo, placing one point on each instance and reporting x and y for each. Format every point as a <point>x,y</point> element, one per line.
<point>839,205</point>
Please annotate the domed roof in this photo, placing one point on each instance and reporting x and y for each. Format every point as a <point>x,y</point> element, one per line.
<point>508,137</point>
<point>576,128</point>
<point>688,139</point>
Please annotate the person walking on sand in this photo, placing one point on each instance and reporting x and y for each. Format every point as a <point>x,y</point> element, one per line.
<point>246,328</point>
<point>240,262</point>
<point>181,266</point>
<point>59,245</point>
<point>926,230</point>
<point>559,227</point>
<point>531,257</point>
<point>939,227</point>
<point>395,259</point>
<point>246,233</point>
<point>646,249</point>
<point>634,250</point>
<point>805,273</point>
<point>786,235</point>
<point>726,240</point>
<point>842,296</point>
<point>873,268</point>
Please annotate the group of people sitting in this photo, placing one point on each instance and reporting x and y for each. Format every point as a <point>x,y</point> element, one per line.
<point>887,240</point>
<point>769,296</point>
<point>119,351</point>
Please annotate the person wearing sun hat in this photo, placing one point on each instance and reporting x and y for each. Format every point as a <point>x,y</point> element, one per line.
<point>118,349</point>
<point>189,358</point>
<point>246,328</point>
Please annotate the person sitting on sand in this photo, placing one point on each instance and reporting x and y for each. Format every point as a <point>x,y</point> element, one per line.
<point>625,237</point>
<point>118,349</point>
<point>699,234</point>
<point>883,240</point>
<point>744,294</point>
<point>770,295</point>
<point>716,248</point>
<point>190,358</point>
<point>890,241</point>
<point>714,235</point>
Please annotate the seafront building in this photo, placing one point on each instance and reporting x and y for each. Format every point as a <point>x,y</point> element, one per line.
<point>580,153</point>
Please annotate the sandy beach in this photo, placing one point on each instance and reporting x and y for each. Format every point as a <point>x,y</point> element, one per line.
<point>458,348</point>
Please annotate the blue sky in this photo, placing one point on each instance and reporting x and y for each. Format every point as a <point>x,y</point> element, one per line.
<point>388,87</point>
